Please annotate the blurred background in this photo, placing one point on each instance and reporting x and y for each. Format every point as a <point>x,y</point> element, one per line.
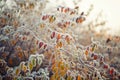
<point>109,8</point>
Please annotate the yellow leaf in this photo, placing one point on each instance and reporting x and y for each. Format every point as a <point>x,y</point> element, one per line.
<point>86,52</point>
<point>17,71</point>
<point>24,68</point>
<point>42,25</point>
<point>62,72</point>
<point>31,6</point>
<point>69,78</point>
<point>56,76</point>
<point>52,77</point>
<point>55,69</point>
<point>52,19</point>
<point>59,64</point>
<point>62,67</point>
<point>60,44</point>
<point>78,77</point>
<point>30,65</point>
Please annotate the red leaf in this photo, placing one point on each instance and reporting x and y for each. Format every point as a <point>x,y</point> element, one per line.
<point>40,44</point>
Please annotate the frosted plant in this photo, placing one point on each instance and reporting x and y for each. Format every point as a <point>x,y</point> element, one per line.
<point>44,74</point>
<point>37,42</point>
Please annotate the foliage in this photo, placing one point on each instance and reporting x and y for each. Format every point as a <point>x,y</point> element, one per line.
<point>41,44</point>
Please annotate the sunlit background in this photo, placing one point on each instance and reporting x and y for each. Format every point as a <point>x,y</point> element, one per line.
<point>109,8</point>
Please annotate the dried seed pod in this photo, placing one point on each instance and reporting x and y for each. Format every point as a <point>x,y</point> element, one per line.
<point>76,7</point>
<point>82,13</point>
<point>108,40</point>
